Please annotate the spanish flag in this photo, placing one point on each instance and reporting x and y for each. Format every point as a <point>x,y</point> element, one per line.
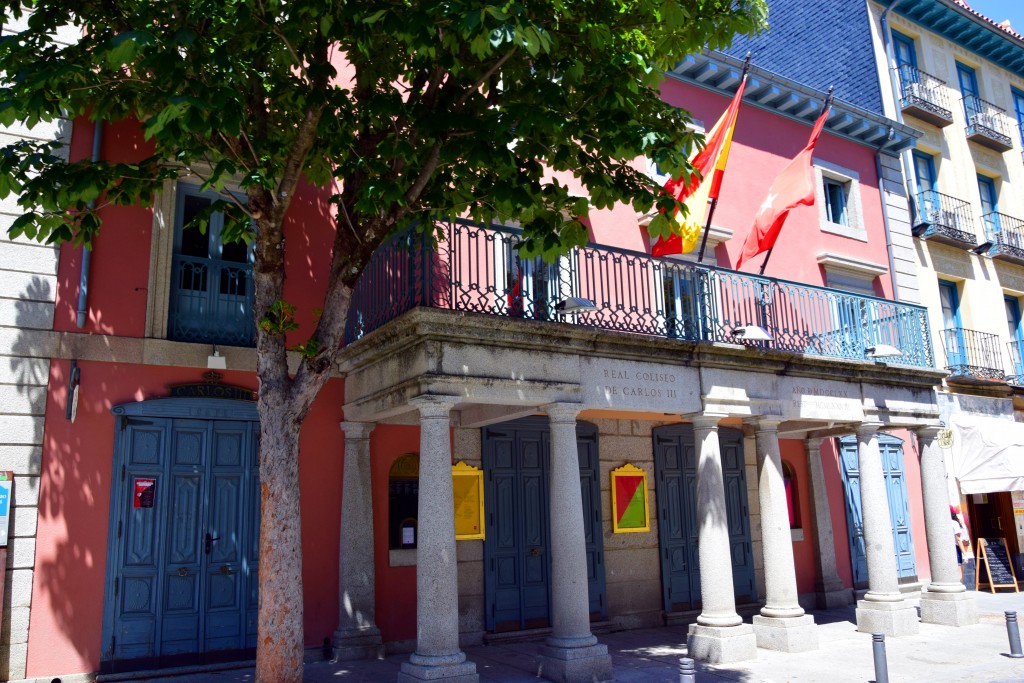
<point>697,189</point>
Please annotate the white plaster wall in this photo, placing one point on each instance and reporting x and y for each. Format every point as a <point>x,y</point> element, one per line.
<point>28,285</point>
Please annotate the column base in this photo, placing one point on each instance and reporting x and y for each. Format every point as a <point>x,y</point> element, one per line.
<point>575,664</point>
<point>786,634</point>
<point>833,595</point>
<point>721,644</point>
<point>448,669</point>
<point>894,619</point>
<point>949,609</point>
<point>352,644</point>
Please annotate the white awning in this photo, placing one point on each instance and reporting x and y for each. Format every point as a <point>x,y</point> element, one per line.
<point>988,454</point>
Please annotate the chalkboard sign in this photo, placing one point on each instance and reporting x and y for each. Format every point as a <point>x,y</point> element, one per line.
<point>994,564</point>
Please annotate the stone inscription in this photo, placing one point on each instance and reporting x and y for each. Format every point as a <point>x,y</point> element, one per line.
<point>820,398</point>
<point>640,383</point>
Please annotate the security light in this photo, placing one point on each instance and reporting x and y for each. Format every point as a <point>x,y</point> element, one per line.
<point>882,351</point>
<point>215,361</point>
<point>575,304</point>
<point>752,333</point>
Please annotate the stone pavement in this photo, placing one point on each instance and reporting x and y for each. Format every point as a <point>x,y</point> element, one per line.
<point>973,654</point>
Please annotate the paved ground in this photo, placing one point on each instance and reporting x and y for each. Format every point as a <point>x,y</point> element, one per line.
<point>975,654</point>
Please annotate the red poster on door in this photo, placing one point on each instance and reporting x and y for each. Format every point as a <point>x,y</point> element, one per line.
<point>145,491</point>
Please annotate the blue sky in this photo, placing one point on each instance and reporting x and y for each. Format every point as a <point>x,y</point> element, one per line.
<point>998,10</point>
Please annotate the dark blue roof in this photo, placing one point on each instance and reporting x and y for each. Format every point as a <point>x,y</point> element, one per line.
<point>819,44</point>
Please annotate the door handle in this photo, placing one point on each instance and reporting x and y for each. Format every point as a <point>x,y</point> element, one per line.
<point>535,552</point>
<point>209,542</point>
<point>182,571</point>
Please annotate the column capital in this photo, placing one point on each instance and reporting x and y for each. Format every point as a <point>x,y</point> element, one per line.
<point>562,412</point>
<point>928,432</point>
<point>764,424</point>
<point>357,430</point>
<point>868,429</point>
<point>814,443</point>
<point>433,406</point>
<point>705,420</point>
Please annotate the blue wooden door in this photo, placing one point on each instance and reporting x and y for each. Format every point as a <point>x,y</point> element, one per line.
<point>1016,331</point>
<point>182,561</point>
<point>968,80</point>
<point>952,328</point>
<point>517,560</point>
<point>675,468</point>
<point>891,451</point>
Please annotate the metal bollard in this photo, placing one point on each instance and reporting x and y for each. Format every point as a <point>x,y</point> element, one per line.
<point>687,670</point>
<point>878,650</point>
<point>1013,633</point>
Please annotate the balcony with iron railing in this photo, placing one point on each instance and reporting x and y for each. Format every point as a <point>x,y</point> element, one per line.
<point>945,219</point>
<point>924,96</point>
<point>972,357</point>
<point>211,302</point>
<point>1016,374</point>
<point>472,269</point>
<point>987,124</point>
<point>1006,234</point>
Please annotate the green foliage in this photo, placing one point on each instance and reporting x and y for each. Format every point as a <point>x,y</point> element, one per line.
<point>425,108</point>
<point>280,318</point>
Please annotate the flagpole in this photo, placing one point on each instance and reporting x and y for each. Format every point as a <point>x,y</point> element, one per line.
<point>714,201</point>
<point>828,104</point>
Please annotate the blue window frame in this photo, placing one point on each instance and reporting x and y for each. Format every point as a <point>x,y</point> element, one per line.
<point>1016,330</point>
<point>952,328</point>
<point>1018,109</point>
<point>968,80</point>
<point>835,202</point>
<point>211,281</point>
<point>924,172</point>
<point>906,54</point>
<point>989,204</point>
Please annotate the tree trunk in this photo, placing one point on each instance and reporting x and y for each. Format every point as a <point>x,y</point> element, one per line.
<point>279,651</point>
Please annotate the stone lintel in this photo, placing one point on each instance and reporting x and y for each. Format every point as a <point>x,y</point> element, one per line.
<point>575,664</point>
<point>786,634</point>
<point>949,609</point>
<point>722,644</point>
<point>895,619</point>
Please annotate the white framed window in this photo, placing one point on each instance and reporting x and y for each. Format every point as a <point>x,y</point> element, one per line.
<point>838,200</point>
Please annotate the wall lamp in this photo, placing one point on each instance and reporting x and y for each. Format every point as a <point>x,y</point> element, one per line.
<point>575,304</point>
<point>882,351</point>
<point>215,361</point>
<point>752,333</point>
<point>982,248</point>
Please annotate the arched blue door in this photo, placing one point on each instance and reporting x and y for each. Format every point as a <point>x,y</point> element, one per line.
<point>517,561</point>
<point>181,562</point>
<point>675,471</point>
<point>891,450</point>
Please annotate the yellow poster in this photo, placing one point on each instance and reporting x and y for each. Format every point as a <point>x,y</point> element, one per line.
<point>468,494</point>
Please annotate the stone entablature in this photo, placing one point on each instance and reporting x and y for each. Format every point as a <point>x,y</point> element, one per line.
<point>521,365</point>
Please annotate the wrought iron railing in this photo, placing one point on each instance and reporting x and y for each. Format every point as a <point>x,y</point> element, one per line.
<point>946,217</point>
<point>211,302</point>
<point>972,354</point>
<point>1006,234</point>
<point>987,119</point>
<point>922,90</point>
<point>1016,349</point>
<point>469,268</point>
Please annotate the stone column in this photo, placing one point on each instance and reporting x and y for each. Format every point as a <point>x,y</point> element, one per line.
<point>719,636</point>
<point>357,636</point>
<point>829,587</point>
<point>571,653</point>
<point>945,600</point>
<point>782,624</point>
<point>883,608</point>
<point>437,656</point>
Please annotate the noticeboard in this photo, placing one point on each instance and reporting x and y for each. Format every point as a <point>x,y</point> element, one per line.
<point>994,564</point>
<point>6,495</point>
<point>630,509</point>
<point>468,495</point>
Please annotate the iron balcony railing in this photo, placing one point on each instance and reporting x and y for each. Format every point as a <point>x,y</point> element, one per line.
<point>1006,234</point>
<point>1016,349</point>
<point>945,219</point>
<point>470,268</point>
<point>987,123</point>
<point>211,302</point>
<point>972,354</point>
<point>924,96</point>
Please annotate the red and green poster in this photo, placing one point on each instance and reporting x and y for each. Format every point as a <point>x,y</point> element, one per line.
<point>629,500</point>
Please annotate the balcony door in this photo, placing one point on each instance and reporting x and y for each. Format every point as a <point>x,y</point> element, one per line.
<point>1018,110</point>
<point>952,328</point>
<point>968,80</point>
<point>906,59</point>
<point>924,172</point>
<point>1013,325</point>
<point>989,206</point>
